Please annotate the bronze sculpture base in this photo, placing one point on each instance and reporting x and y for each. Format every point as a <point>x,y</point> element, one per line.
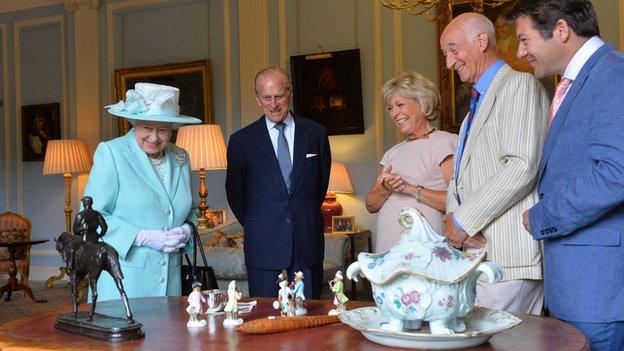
<point>103,327</point>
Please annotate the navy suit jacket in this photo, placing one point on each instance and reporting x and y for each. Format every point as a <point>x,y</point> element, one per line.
<point>580,214</point>
<point>275,221</point>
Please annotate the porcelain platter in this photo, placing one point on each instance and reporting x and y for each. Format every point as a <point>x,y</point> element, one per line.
<point>481,324</point>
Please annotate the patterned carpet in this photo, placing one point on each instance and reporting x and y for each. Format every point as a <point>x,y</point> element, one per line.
<point>22,306</point>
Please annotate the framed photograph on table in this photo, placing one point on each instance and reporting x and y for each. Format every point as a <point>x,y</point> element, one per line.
<point>455,93</point>
<point>40,123</point>
<point>192,78</point>
<point>328,89</point>
<point>215,217</point>
<point>343,224</point>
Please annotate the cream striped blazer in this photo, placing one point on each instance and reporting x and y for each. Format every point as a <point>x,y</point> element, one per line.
<point>498,171</point>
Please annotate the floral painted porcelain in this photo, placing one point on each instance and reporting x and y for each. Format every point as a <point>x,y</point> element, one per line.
<point>423,278</point>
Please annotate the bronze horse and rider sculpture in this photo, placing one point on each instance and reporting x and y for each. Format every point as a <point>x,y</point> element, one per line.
<point>85,256</point>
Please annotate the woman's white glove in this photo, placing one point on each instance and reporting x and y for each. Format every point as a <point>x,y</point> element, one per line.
<point>165,241</point>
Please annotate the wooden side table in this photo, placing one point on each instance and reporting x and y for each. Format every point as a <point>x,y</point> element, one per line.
<point>13,284</point>
<point>360,234</point>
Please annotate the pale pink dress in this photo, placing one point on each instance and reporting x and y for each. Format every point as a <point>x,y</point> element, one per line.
<point>418,162</point>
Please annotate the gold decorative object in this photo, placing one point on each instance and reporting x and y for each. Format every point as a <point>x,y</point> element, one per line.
<point>436,8</point>
<point>206,148</point>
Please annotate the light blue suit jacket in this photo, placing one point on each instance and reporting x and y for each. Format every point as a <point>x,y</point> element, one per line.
<point>128,193</point>
<point>580,214</point>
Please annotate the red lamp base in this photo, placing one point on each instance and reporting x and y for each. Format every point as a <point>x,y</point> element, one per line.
<point>330,207</point>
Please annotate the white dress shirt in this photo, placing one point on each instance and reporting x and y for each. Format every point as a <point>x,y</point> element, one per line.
<point>580,58</point>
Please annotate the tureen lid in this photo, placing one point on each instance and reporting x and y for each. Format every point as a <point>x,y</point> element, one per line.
<point>421,252</point>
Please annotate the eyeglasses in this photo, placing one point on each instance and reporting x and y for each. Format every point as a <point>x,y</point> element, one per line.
<point>277,98</point>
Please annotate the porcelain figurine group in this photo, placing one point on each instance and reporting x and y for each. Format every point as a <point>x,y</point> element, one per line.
<point>199,305</point>
<point>290,297</point>
<point>423,278</point>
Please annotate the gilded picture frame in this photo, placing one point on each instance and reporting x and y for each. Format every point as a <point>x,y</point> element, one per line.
<point>192,78</point>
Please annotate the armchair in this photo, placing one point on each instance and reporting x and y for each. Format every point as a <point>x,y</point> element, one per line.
<point>14,227</point>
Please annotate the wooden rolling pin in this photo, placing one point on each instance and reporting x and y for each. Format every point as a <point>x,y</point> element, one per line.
<point>281,324</point>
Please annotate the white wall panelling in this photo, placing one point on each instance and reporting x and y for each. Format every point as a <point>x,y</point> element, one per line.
<point>17,28</point>
<point>398,54</point>
<point>379,144</point>
<point>253,29</point>
<point>110,46</point>
<point>227,58</point>
<point>5,110</point>
<point>283,57</point>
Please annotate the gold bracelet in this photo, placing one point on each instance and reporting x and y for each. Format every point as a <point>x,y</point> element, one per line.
<point>419,189</point>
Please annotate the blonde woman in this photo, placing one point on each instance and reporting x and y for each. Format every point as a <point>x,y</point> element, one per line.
<point>415,172</point>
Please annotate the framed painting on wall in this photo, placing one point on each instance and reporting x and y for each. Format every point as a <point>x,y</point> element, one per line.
<point>192,78</point>
<point>456,94</point>
<point>328,89</point>
<point>40,123</point>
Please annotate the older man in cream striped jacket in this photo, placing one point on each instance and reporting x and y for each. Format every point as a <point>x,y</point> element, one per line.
<point>496,164</point>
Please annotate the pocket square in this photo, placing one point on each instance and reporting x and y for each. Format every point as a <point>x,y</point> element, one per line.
<point>310,155</point>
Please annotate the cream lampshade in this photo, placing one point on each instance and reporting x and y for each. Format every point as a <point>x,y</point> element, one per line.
<point>339,182</point>
<point>206,148</point>
<point>66,157</point>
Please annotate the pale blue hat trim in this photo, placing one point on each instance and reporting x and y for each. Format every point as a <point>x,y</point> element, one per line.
<point>151,102</point>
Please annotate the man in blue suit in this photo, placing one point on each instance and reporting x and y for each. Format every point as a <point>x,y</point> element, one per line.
<point>277,177</point>
<point>580,214</point>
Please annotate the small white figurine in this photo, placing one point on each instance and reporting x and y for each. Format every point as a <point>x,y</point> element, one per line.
<point>231,308</point>
<point>336,285</point>
<point>195,308</point>
<point>297,291</point>
<point>284,301</point>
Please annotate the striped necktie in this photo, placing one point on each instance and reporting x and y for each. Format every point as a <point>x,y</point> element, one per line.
<point>560,91</point>
<point>474,101</point>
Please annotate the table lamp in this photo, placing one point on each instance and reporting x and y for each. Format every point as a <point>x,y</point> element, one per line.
<point>339,182</point>
<point>206,148</point>
<point>66,157</point>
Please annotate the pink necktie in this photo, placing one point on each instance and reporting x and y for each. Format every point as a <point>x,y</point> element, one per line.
<point>560,92</point>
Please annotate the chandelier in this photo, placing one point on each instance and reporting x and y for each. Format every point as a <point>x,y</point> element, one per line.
<point>436,8</point>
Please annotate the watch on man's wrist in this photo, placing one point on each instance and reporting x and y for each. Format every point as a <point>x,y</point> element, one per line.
<point>419,189</point>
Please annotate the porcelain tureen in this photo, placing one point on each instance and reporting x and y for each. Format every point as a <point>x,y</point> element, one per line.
<point>423,278</point>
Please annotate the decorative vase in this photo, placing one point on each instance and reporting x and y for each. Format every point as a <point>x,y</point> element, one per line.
<point>330,207</point>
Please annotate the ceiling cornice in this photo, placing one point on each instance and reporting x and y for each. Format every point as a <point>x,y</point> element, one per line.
<point>19,5</point>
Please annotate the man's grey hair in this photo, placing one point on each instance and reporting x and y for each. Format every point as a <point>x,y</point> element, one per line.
<point>263,72</point>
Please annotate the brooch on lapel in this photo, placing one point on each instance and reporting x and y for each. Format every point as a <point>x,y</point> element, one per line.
<point>179,155</point>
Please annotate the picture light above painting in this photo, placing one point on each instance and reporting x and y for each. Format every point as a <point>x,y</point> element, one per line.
<point>192,78</point>
<point>328,89</point>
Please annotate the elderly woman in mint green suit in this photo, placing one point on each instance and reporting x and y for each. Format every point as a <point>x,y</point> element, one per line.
<point>141,184</point>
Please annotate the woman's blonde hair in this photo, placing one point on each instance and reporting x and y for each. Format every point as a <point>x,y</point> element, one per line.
<point>415,86</point>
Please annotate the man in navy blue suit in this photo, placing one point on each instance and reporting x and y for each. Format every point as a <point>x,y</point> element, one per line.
<point>580,214</point>
<point>277,177</point>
